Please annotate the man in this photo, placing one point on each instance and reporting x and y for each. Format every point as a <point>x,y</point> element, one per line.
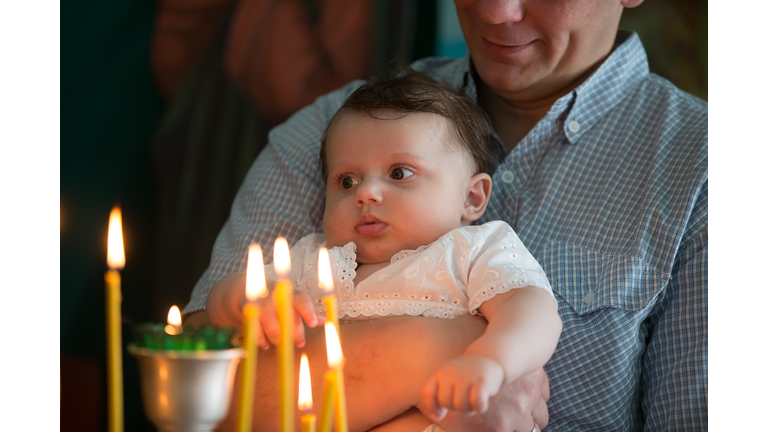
<point>604,178</point>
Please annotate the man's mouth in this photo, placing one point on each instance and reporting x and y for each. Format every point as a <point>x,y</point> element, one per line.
<point>369,226</point>
<point>500,49</point>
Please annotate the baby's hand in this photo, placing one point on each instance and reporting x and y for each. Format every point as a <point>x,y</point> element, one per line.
<point>225,309</point>
<point>270,326</point>
<point>464,384</point>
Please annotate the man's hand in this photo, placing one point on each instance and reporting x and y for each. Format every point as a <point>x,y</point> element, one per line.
<point>464,384</point>
<point>514,408</point>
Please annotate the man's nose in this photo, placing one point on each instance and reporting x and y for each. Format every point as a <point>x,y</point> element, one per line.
<point>369,192</point>
<point>500,11</point>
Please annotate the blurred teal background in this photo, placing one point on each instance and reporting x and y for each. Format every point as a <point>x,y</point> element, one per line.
<point>110,112</point>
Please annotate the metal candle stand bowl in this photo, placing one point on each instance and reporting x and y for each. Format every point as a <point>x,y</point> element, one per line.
<point>186,391</point>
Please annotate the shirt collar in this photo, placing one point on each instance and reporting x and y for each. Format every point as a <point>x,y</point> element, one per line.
<point>624,68</point>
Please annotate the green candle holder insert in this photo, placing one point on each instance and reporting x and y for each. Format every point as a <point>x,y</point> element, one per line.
<point>153,336</point>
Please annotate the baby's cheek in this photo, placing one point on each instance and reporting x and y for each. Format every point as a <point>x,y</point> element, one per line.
<point>334,231</point>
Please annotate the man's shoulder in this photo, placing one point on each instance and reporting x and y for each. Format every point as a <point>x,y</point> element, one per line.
<point>448,69</point>
<point>681,111</point>
<point>667,121</point>
<point>438,64</point>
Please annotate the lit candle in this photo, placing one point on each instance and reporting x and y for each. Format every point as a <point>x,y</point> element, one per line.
<point>305,397</point>
<point>255,287</point>
<point>115,261</point>
<point>284,305</point>
<point>329,396</point>
<point>174,321</point>
<point>325,281</point>
<point>334,394</point>
<point>173,328</point>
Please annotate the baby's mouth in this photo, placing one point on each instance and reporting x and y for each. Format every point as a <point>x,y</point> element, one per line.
<point>369,226</point>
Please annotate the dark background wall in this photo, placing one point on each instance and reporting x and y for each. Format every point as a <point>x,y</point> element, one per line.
<point>110,110</point>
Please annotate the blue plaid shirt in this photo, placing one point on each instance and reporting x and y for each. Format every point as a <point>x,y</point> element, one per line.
<point>608,192</point>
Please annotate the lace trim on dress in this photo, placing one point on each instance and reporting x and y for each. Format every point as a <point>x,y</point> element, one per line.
<point>394,307</point>
<point>492,291</point>
<point>406,253</point>
<point>346,271</point>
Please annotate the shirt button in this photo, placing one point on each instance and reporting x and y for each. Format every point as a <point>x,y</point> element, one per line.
<point>508,177</point>
<point>589,297</point>
<point>574,126</point>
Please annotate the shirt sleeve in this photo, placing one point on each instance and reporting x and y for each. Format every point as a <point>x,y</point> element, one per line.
<point>675,364</point>
<point>282,194</point>
<point>500,263</point>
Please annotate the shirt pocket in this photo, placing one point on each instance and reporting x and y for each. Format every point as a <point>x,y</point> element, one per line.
<point>589,280</point>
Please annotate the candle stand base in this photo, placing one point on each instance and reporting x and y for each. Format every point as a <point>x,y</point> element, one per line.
<point>186,391</point>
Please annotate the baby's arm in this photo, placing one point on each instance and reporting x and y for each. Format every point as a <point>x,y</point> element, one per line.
<point>523,330</point>
<point>224,308</point>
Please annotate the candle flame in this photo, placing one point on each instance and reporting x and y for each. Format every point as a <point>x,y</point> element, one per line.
<point>305,385</point>
<point>325,280</point>
<point>115,252</point>
<point>333,346</point>
<point>255,284</point>
<point>282,257</point>
<point>174,316</point>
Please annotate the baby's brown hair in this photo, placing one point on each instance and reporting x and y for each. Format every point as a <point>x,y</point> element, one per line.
<point>414,91</point>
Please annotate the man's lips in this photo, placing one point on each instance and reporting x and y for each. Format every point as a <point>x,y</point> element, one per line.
<point>504,49</point>
<point>369,225</point>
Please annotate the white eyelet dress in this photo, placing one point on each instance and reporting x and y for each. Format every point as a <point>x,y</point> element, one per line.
<point>448,278</point>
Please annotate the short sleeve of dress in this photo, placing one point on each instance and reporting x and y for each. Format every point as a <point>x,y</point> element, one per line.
<point>501,263</point>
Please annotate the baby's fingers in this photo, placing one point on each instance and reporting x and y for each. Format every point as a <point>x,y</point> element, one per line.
<point>303,305</point>
<point>269,324</point>
<point>461,399</point>
<point>478,398</point>
<point>432,408</point>
<point>261,338</point>
<point>485,386</point>
<point>298,331</point>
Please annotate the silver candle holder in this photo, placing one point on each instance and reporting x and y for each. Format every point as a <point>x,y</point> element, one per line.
<point>187,391</point>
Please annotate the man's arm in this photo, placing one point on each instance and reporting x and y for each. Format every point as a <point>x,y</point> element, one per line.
<point>385,363</point>
<point>675,365</point>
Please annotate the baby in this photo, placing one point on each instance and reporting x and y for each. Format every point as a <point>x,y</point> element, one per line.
<point>406,164</point>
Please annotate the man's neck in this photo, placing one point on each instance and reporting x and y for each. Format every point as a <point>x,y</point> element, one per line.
<point>512,117</point>
<point>512,121</point>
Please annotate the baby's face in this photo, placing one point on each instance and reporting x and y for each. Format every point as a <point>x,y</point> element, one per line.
<point>393,184</point>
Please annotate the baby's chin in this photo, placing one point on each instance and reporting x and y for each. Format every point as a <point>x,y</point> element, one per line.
<point>369,258</point>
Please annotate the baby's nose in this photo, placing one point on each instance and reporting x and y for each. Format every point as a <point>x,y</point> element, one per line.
<point>369,192</point>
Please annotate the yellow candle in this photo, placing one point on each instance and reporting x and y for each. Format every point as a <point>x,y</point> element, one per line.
<point>308,419</point>
<point>255,287</point>
<point>251,315</point>
<point>116,261</point>
<point>325,281</point>
<point>335,357</point>
<point>329,392</point>
<point>308,423</point>
<point>336,364</point>
<point>284,306</point>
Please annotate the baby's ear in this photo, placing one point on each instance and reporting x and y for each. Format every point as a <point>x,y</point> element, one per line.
<point>478,194</point>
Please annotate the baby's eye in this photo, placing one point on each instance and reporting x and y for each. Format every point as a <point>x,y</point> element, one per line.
<point>401,173</point>
<point>348,182</point>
